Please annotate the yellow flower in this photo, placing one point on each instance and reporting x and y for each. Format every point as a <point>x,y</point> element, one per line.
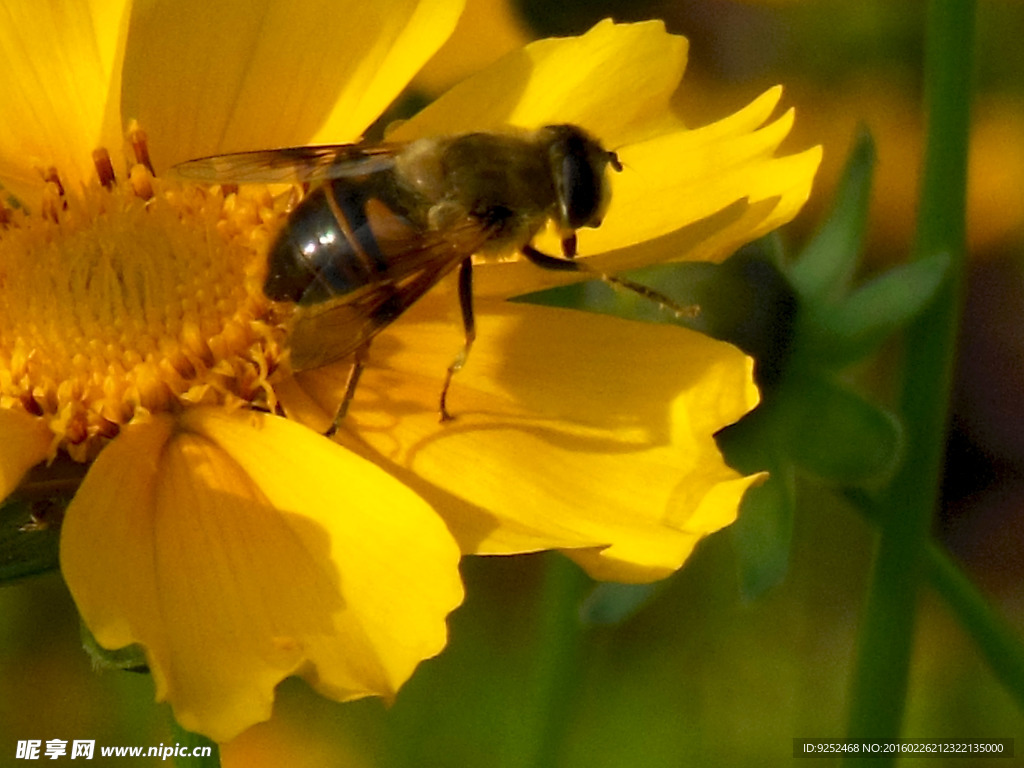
<point>576,431</point>
<point>238,547</point>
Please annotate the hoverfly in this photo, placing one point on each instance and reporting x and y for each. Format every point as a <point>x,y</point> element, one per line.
<point>390,220</point>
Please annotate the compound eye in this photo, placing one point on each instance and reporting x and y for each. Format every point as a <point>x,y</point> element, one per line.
<point>580,191</point>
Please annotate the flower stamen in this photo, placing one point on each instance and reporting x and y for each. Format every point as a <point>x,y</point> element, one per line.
<point>51,176</point>
<point>104,168</point>
<point>140,148</point>
<point>53,201</point>
<point>125,298</point>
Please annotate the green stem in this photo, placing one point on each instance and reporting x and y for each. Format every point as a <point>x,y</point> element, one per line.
<point>997,640</point>
<point>999,643</point>
<point>879,683</point>
<point>558,663</point>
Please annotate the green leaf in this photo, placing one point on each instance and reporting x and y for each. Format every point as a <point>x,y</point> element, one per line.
<point>745,300</point>
<point>825,267</point>
<point>849,331</point>
<point>191,747</point>
<point>762,535</point>
<point>834,433</point>
<point>747,444</point>
<point>29,538</point>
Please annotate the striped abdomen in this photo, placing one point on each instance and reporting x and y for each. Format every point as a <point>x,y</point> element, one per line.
<point>327,249</point>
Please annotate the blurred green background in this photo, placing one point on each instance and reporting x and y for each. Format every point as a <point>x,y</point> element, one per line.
<point>696,675</point>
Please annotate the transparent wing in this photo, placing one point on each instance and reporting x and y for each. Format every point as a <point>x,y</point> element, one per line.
<point>290,165</point>
<point>326,332</point>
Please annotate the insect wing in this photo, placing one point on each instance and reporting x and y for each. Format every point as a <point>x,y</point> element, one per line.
<point>290,165</point>
<point>329,331</point>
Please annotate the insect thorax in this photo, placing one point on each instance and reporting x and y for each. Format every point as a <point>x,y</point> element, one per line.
<point>503,181</point>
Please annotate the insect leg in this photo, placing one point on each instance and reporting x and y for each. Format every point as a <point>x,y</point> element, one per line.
<point>568,265</point>
<point>358,363</point>
<point>569,245</point>
<point>468,324</point>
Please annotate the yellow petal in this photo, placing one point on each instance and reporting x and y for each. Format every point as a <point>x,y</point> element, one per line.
<point>616,80</point>
<point>26,442</point>
<point>572,430</point>
<point>240,549</point>
<point>648,553</point>
<point>711,239</point>
<point>59,90</point>
<point>685,171</point>
<point>487,30</point>
<point>682,177</point>
<point>207,77</point>
<point>684,196</point>
<point>390,66</point>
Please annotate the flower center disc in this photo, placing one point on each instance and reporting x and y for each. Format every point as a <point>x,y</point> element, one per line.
<point>138,295</point>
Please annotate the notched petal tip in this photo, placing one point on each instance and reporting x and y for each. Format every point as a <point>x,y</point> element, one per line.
<point>601,463</point>
<point>246,549</point>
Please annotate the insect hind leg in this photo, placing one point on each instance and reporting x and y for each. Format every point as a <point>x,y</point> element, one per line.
<point>383,314</point>
<point>358,364</point>
<point>619,283</point>
<point>468,325</point>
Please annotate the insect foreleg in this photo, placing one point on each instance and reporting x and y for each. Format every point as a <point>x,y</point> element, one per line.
<point>568,265</point>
